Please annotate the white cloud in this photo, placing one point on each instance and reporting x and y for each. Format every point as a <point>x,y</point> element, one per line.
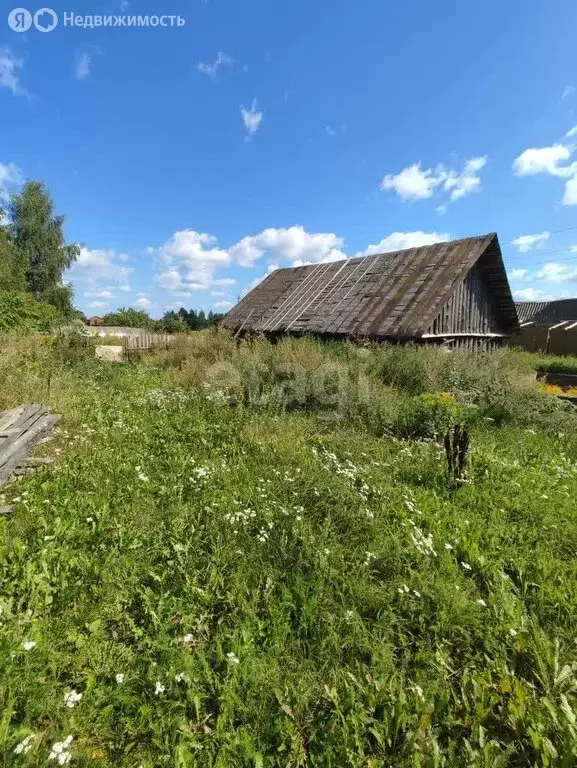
<point>99,294</point>
<point>10,66</point>
<point>225,281</point>
<point>556,272</point>
<point>568,91</point>
<point>82,64</point>
<point>218,294</point>
<point>571,132</point>
<point>142,301</point>
<point>570,195</point>
<point>554,161</point>
<point>414,183</point>
<point>101,269</point>
<point>525,243</point>
<point>10,176</point>
<point>223,304</point>
<point>518,274</point>
<point>530,294</point>
<point>188,261</point>
<point>461,184</point>
<point>398,241</point>
<point>98,304</point>
<point>330,131</point>
<point>211,70</point>
<point>292,244</point>
<point>251,118</point>
<point>544,160</point>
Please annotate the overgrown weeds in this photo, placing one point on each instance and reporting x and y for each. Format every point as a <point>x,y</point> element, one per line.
<point>205,582</point>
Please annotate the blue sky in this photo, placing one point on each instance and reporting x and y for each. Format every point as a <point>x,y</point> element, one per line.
<point>191,160</point>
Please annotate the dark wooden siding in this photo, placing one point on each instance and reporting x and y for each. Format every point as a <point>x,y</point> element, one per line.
<point>469,309</point>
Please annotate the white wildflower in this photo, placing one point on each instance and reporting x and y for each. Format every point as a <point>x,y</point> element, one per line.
<point>423,543</point>
<point>89,519</point>
<point>480,601</point>
<point>72,698</point>
<point>25,746</point>
<point>29,645</point>
<point>466,566</point>
<point>60,752</point>
<point>513,632</point>
<point>448,547</point>
<point>233,658</point>
<point>188,639</point>
<point>416,593</point>
<point>119,678</point>
<point>369,556</point>
<point>159,688</point>
<point>182,677</point>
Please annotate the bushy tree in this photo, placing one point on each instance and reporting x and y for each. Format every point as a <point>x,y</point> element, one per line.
<point>129,317</point>
<point>36,232</point>
<point>171,322</point>
<point>21,311</point>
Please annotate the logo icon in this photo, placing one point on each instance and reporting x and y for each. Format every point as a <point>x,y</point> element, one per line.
<point>20,20</point>
<point>45,20</point>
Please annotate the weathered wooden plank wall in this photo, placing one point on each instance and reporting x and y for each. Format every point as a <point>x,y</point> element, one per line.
<point>469,308</point>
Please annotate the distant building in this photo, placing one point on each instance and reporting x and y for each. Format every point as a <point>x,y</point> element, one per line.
<point>454,293</point>
<point>94,320</point>
<point>547,313</point>
<point>547,326</point>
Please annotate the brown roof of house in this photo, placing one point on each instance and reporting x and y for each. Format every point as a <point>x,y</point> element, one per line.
<point>387,295</point>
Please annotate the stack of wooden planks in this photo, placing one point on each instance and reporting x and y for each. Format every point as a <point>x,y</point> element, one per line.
<point>20,430</point>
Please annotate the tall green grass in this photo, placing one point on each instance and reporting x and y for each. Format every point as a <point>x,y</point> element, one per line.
<point>246,583</point>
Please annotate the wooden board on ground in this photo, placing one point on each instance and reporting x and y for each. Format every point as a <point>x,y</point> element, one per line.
<point>20,430</point>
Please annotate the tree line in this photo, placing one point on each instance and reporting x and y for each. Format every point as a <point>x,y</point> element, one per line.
<point>171,322</point>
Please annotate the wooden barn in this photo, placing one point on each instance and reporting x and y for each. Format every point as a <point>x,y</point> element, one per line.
<point>456,293</point>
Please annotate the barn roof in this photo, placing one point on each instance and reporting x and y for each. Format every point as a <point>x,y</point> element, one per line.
<point>547,312</point>
<point>387,295</point>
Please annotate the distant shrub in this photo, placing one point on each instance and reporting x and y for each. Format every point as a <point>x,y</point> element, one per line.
<point>558,365</point>
<point>525,406</point>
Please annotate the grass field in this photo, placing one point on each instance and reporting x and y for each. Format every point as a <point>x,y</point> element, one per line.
<point>251,556</point>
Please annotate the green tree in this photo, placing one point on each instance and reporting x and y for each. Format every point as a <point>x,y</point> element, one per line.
<point>37,234</point>
<point>172,322</point>
<point>129,317</point>
<point>12,267</point>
